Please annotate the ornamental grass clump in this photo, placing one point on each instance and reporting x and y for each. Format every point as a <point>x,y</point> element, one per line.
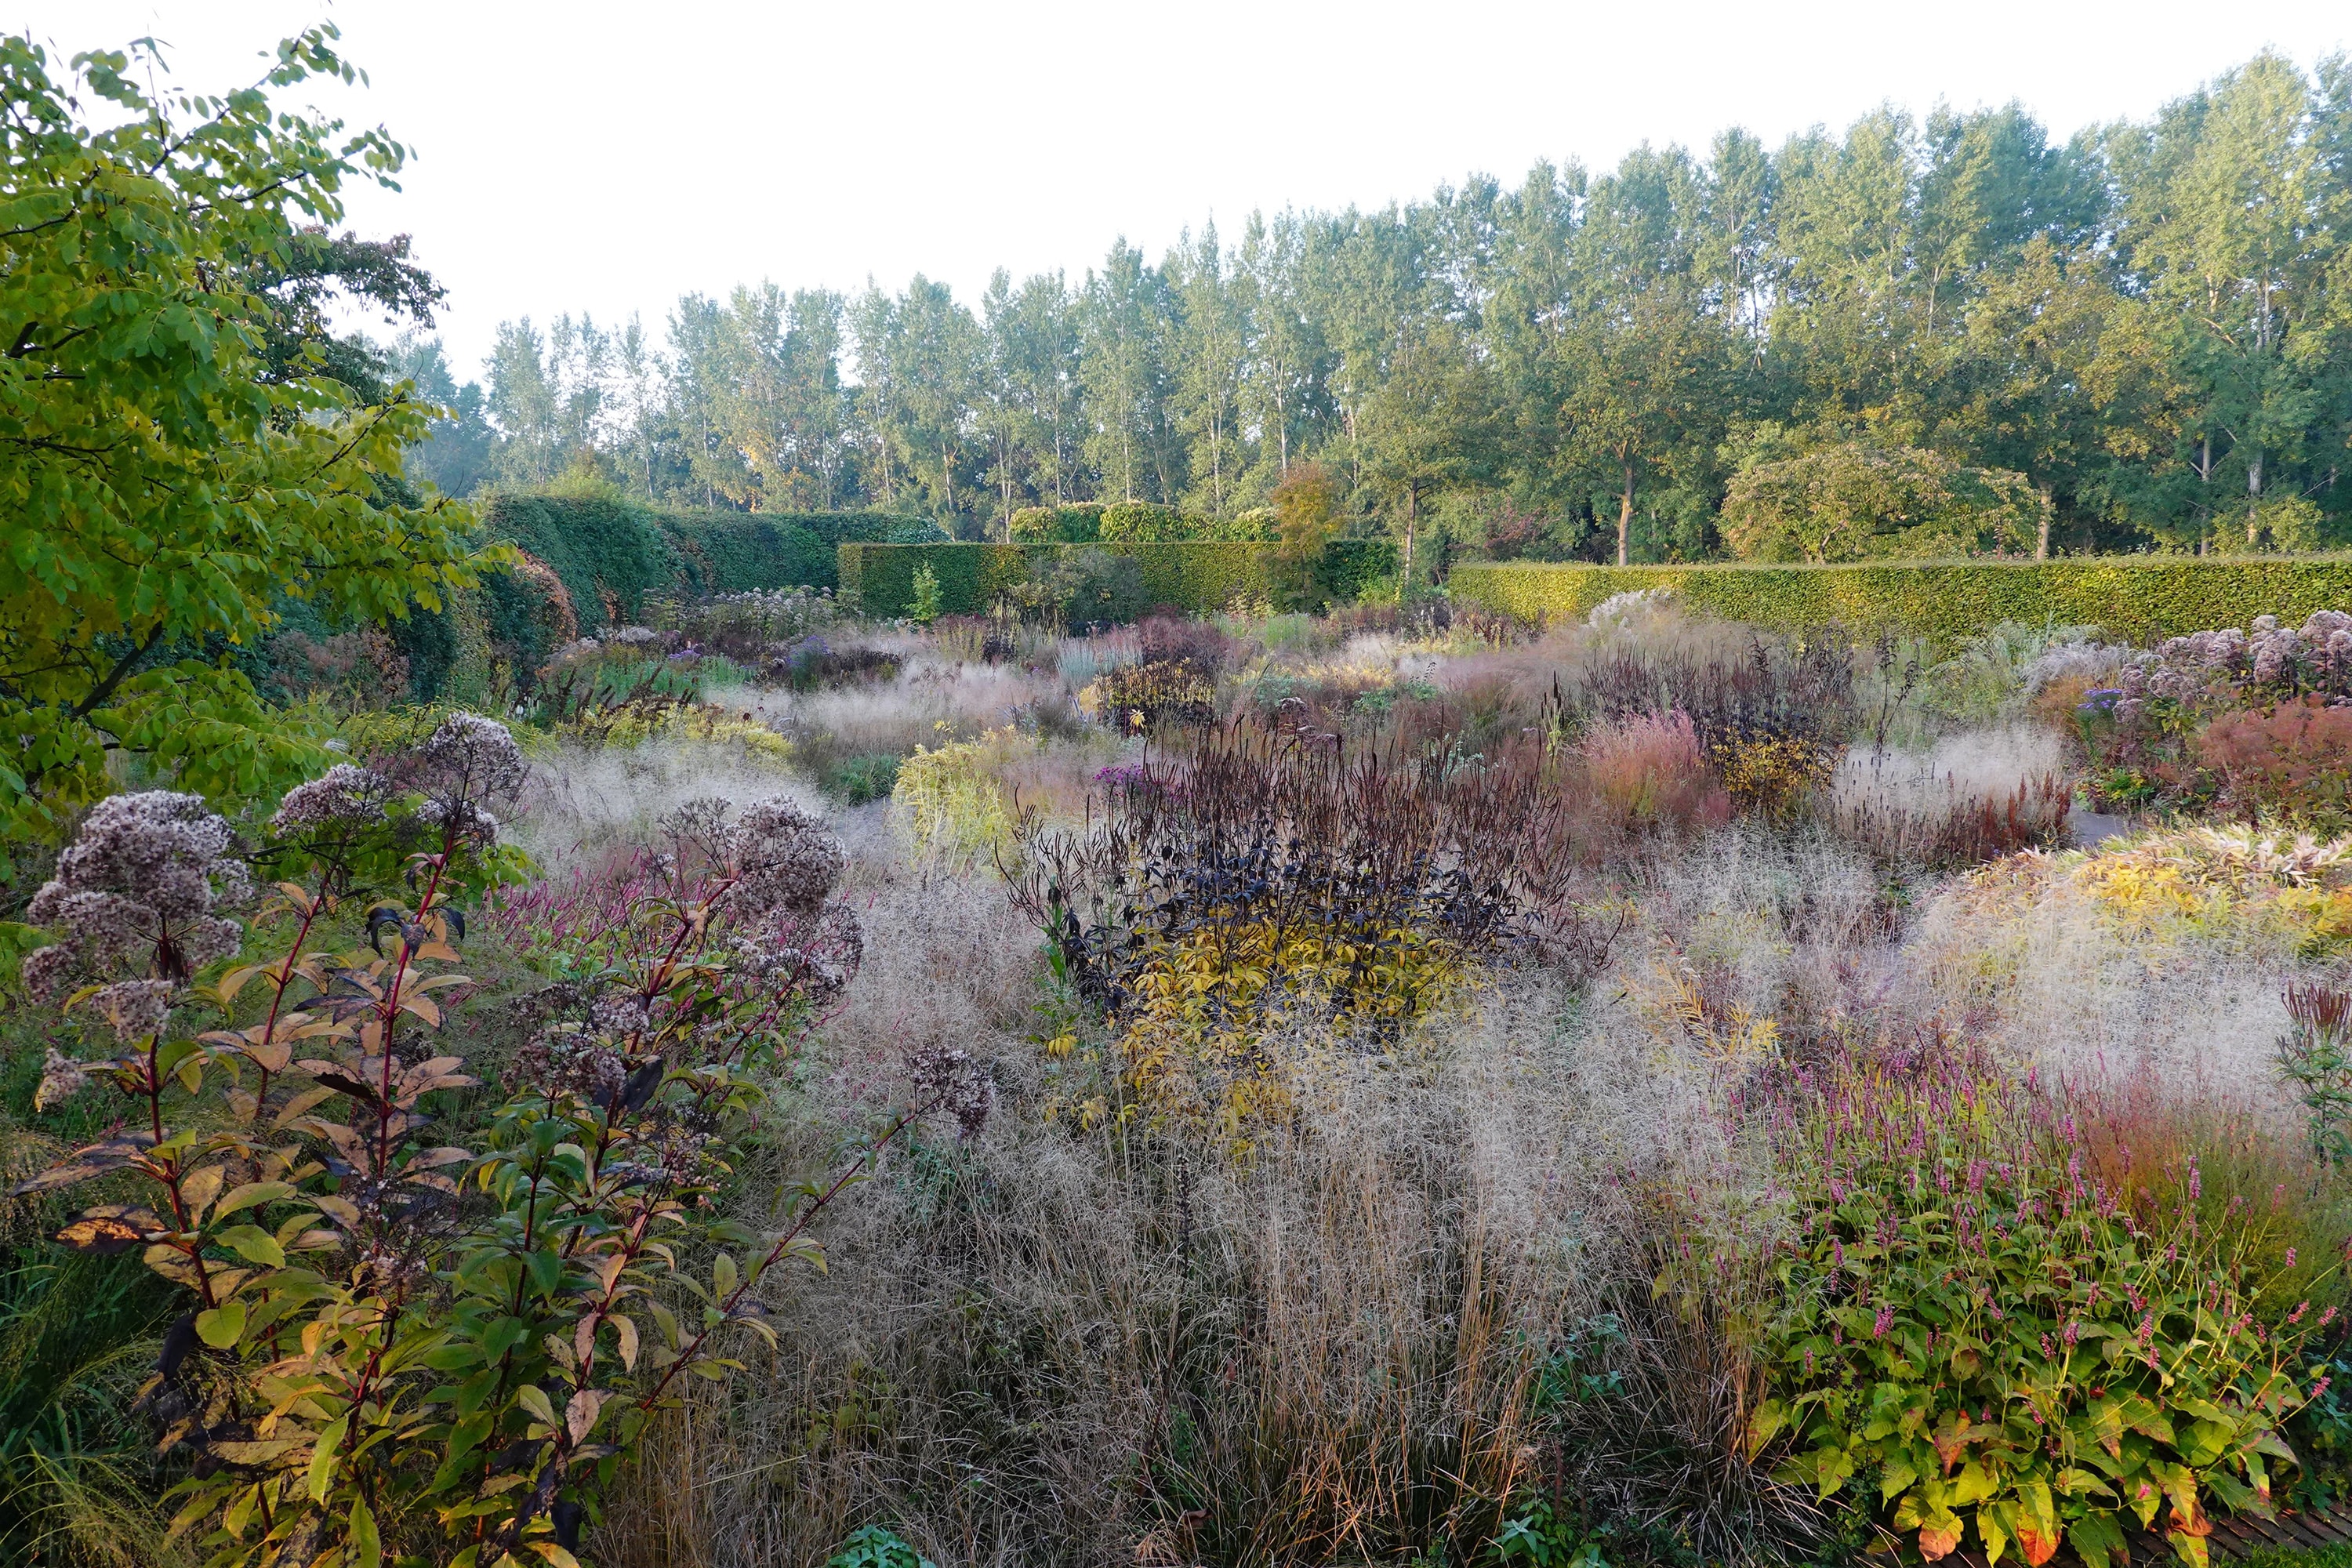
<point>2232,883</point>
<point>394,1346</point>
<point>1986,1341</point>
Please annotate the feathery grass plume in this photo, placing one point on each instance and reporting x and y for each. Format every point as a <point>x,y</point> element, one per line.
<point>1974,797</point>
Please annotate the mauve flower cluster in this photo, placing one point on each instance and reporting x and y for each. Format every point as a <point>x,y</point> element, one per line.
<point>788,866</point>
<point>464,767</point>
<point>2231,666</point>
<point>140,886</point>
<point>784,858</point>
<point>948,1078</point>
<point>817,953</point>
<point>344,794</point>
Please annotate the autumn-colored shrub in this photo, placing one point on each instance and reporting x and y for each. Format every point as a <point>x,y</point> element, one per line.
<point>2293,758</point>
<point>2236,883</point>
<point>1951,828</point>
<point>1145,699</point>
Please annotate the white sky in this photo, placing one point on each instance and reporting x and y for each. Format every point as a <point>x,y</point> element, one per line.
<point>610,157</point>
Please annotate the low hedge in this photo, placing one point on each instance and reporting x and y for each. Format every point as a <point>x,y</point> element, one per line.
<point>2139,598</point>
<point>1201,577</point>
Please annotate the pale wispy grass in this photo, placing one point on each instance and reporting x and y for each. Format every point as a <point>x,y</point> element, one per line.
<point>1038,1348</point>
<point>2054,979</point>
<point>583,800</point>
<point>931,700</point>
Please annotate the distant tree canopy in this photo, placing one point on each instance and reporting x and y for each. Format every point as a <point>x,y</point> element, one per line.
<point>2151,323</point>
<point>1853,501</point>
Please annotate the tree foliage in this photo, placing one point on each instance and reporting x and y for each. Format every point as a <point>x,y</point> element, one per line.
<point>2151,321</point>
<point>178,457</point>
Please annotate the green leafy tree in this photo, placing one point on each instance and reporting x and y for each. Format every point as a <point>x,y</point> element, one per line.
<point>2232,209</point>
<point>167,488</point>
<point>1853,501</point>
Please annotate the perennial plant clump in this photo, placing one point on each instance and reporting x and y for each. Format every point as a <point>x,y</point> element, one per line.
<point>1995,1341</point>
<point>1258,878</point>
<point>394,1346</point>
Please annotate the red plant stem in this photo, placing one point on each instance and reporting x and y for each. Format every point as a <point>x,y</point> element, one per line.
<point>800,1223</point>
<point>280,979</point>
<point>390,1011</point>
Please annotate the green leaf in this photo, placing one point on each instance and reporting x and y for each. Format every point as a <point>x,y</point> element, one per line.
<point>366,1550</point>
<point>2095,1538</point>
<point>250,1194</point>
<point>221,1326</point>
<point>254,1245</point>
<point>321,1478</point>
<point>533,1398</point>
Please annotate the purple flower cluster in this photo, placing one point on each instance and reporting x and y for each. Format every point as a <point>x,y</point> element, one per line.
<point>2230,667</point>
<point>140,887</point>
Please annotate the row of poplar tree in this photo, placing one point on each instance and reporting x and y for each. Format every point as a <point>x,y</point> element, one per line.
<point>2151,323</point>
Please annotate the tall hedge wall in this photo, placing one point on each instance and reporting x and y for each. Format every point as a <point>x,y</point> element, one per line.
<point>2141,598</point>
<point>1200,577</point>
<point>611,554</point>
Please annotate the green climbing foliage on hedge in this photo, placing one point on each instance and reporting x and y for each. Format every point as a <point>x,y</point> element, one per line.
<point>1198,576</point>
<point>612,555</point>
<point>2141,598</point>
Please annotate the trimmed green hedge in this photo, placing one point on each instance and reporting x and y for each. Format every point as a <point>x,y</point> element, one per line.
<point>612,556</point>
<point>1197,576</point>
<point>2139,598</point>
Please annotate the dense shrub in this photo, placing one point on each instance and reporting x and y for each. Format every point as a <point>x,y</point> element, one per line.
<point>1991,1338</point>
<point>1140,523</point>
<point>2139,598</point>
<point>1961,828</point>
<point>1256,876</point>
<point>364,1360</point>
<point>1198,646</point>
<point>2228,713</point>
<point>1079,522</point>
<point>2297,758</point>
<point>1772,720</point>
<point>1079,587</point>
<point>1147,699</point>
<point>1856,501</point>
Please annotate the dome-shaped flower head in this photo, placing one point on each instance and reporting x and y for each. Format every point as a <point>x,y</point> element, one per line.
<point>140,887</point>
<point>463,768</point>
<point>785,858</point>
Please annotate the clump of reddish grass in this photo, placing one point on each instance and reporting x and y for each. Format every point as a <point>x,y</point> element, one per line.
<point>2247,1173</point>
<point>1652,771</point>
